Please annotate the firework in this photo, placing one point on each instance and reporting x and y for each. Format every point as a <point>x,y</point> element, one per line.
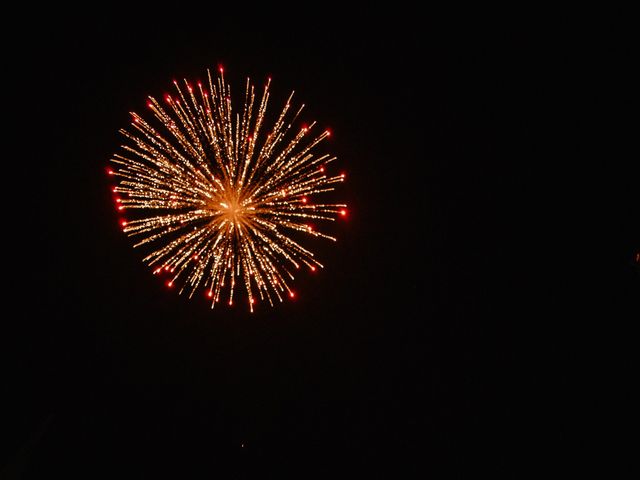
<point>219,201</point>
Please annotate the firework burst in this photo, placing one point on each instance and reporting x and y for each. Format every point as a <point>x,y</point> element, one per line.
<point>220,201</point>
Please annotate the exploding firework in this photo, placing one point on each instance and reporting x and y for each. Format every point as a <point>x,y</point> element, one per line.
<point>220,203</point>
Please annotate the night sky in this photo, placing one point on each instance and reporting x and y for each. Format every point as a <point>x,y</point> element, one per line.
<point>435,341</point>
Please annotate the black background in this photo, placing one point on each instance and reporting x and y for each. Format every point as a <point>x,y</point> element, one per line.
<point>439,337</point>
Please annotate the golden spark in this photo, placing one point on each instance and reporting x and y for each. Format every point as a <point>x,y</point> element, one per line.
<point>218,202</point>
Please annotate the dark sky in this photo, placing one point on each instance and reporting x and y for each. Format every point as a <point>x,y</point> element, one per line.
<point>434,341</point>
